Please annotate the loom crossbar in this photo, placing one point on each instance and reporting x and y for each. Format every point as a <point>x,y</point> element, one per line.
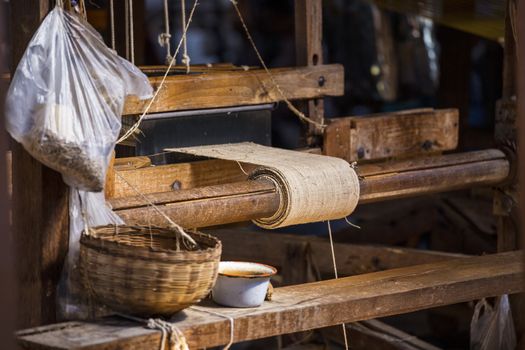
<point>238,87</point>
<point>248,200</point>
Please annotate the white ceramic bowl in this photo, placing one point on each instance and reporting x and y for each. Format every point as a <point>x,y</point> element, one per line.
<point>242,284</point>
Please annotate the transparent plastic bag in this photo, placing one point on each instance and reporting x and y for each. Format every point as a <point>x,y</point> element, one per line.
<point>64,105</point>
<point>66,97</point>
<point>85,209</point>
<point>492,327</point>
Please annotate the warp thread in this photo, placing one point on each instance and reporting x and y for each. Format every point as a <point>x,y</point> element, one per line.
<point>289,104</point>
<point>165,38</point>
<point>131,32</point>
<point>178,229</point>
<point>135,126</point>
<point>336,275</point>
<point>229,318</point>
<point>185,56</point>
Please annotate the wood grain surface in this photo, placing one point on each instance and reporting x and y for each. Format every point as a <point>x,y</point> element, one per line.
<point>234,88</point>
<point>306,306</point>
<point>397,134</point>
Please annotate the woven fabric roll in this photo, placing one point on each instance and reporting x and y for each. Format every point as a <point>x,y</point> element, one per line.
<point>312,187</point>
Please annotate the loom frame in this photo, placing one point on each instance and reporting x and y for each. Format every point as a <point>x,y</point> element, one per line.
<point>40,201</point>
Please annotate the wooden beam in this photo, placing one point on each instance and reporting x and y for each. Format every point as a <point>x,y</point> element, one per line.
<point>195,68</point>
<point>181,176</point>
<point>224,89</point>
<point>248,200</point>
<point>307,306</point>
<point>441,173</point>
<point>309,52</point>
<point>40,215</point>
<point>521,118</point>
<point>506,136</point>
<point>398,134</point>
<point>270,248</point>
<point>8,292</point>
<point>203,207</point>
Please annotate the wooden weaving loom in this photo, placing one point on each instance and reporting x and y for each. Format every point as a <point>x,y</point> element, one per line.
<point>214,192</point>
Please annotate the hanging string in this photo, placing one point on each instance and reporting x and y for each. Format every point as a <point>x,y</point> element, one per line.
<point>297,112</point>
<point>83,11</point>
<point>131,32</point>
<point>185,56</point>
<point>336,274</point>
<point>229,318</point>
<point>165,38</point>
<point>135,126</point>
<point>112,22</point>
<point>351,223</point>
<point>126,25</point>
<point>175,226</point>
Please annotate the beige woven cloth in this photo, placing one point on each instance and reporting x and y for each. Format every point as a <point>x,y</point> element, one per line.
<point>312,187</point>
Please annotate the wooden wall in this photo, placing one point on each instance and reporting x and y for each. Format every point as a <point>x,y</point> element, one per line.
<point>7,273</point>
<point>40,215</point>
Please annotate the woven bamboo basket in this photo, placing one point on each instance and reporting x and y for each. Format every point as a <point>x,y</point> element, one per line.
<point>138,270</point>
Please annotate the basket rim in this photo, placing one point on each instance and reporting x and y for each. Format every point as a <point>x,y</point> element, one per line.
<point>121,249</point>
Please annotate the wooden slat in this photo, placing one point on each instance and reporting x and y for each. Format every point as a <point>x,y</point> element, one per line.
<point>270,248</point>
<point>201,193</point>
<point>406,133</point>
<point>182,176</point>
<point>430,162</point>
<point>307,306</point>
<point>131,163</point>
<point>224,89</point>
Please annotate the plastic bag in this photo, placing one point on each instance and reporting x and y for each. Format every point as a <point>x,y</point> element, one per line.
<point>64,105</point>
<point>85,209</point>
<point>492,328</point>
<point>65,101</point>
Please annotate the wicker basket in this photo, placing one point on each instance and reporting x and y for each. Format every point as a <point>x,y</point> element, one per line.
<point>137,270</point>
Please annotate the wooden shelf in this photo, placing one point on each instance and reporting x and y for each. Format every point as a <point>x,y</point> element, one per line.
<point>306,306</point>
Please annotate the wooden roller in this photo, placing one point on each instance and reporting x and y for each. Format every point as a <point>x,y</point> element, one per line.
<point>252,199</point>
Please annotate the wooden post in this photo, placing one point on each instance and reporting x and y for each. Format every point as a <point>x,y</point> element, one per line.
<point>521,119</point>
<point>309,52</point>
<point>505,134</point>
<point>40,216</point>
<point>506,197</point>
<point>7,273</point>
